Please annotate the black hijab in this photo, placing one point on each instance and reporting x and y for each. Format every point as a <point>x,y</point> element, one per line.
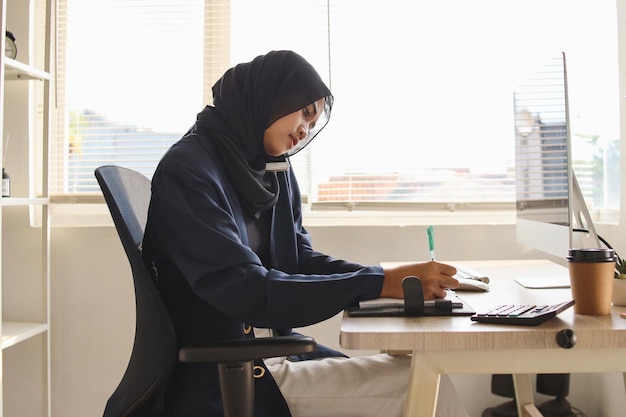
<point>247,100</point>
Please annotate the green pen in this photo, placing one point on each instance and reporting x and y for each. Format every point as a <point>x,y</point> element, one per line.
<point>430,232</point>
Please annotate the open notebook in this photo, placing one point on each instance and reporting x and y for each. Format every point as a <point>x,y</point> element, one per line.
<point>413,304</point>
<point>470,280</point>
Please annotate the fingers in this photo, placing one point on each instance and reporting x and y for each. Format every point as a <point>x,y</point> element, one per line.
<point>447,280</point>
<point>445,269</point>
<point>432,290</point>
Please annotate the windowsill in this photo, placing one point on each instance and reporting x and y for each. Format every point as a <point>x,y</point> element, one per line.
<point>93,212</point>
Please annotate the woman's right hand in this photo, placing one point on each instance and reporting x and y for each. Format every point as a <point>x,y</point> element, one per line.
<point>436,277</point>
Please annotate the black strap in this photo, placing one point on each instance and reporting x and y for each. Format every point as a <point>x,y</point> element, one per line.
<point>414,299</point>
<point>413,296</point>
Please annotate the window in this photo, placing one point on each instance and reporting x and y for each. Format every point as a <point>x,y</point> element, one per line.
<point>423,89</point>
<point>129,80</point>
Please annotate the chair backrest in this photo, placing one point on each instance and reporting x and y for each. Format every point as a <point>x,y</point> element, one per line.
<point>154,355</point>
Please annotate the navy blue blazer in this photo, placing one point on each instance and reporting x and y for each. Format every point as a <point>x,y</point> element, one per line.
<point>215,287</point>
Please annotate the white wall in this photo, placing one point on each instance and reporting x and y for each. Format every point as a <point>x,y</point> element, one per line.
<point>93,309</point>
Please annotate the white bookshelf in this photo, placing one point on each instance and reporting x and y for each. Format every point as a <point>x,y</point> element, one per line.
<point>25,386</point>
<point>16,332</point>
<point>15,70</point>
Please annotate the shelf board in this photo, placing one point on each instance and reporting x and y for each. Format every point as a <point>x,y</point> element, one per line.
<point>14,332</point>
<point>23,201</point>
<point>16,70</point>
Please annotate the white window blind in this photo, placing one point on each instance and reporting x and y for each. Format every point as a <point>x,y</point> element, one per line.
<point>423,89</point>
<point>129,82</point>
<point>424,96</point>
<point>133,74</point>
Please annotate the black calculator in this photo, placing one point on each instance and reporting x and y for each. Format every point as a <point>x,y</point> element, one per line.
<point>521,314</point>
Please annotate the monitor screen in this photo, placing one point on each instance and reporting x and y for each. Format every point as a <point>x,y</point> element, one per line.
<point>549,204</point>
<point>543,159</point>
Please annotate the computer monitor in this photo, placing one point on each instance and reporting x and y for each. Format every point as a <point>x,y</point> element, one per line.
<point>549,203</point>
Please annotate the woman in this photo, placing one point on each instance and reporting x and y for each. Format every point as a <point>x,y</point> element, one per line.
<point>225,236</point>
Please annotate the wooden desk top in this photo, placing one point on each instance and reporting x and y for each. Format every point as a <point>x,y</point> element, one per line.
<point>460,333</point>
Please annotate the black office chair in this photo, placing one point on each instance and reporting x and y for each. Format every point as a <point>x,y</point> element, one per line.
<point>155,351</point>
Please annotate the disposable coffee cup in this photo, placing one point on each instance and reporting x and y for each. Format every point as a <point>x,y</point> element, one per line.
<point>591,273</point>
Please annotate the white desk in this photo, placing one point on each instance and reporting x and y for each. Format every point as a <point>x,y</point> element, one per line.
<point>456,345</point>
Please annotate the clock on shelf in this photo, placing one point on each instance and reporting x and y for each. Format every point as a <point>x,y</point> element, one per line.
<point>10,49</point>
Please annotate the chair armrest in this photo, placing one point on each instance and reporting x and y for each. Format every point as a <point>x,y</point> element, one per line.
<point>248,349</point>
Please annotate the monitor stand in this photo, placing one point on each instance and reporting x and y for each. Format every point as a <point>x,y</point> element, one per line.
<point>580,219</point>
<point>548,384</point>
